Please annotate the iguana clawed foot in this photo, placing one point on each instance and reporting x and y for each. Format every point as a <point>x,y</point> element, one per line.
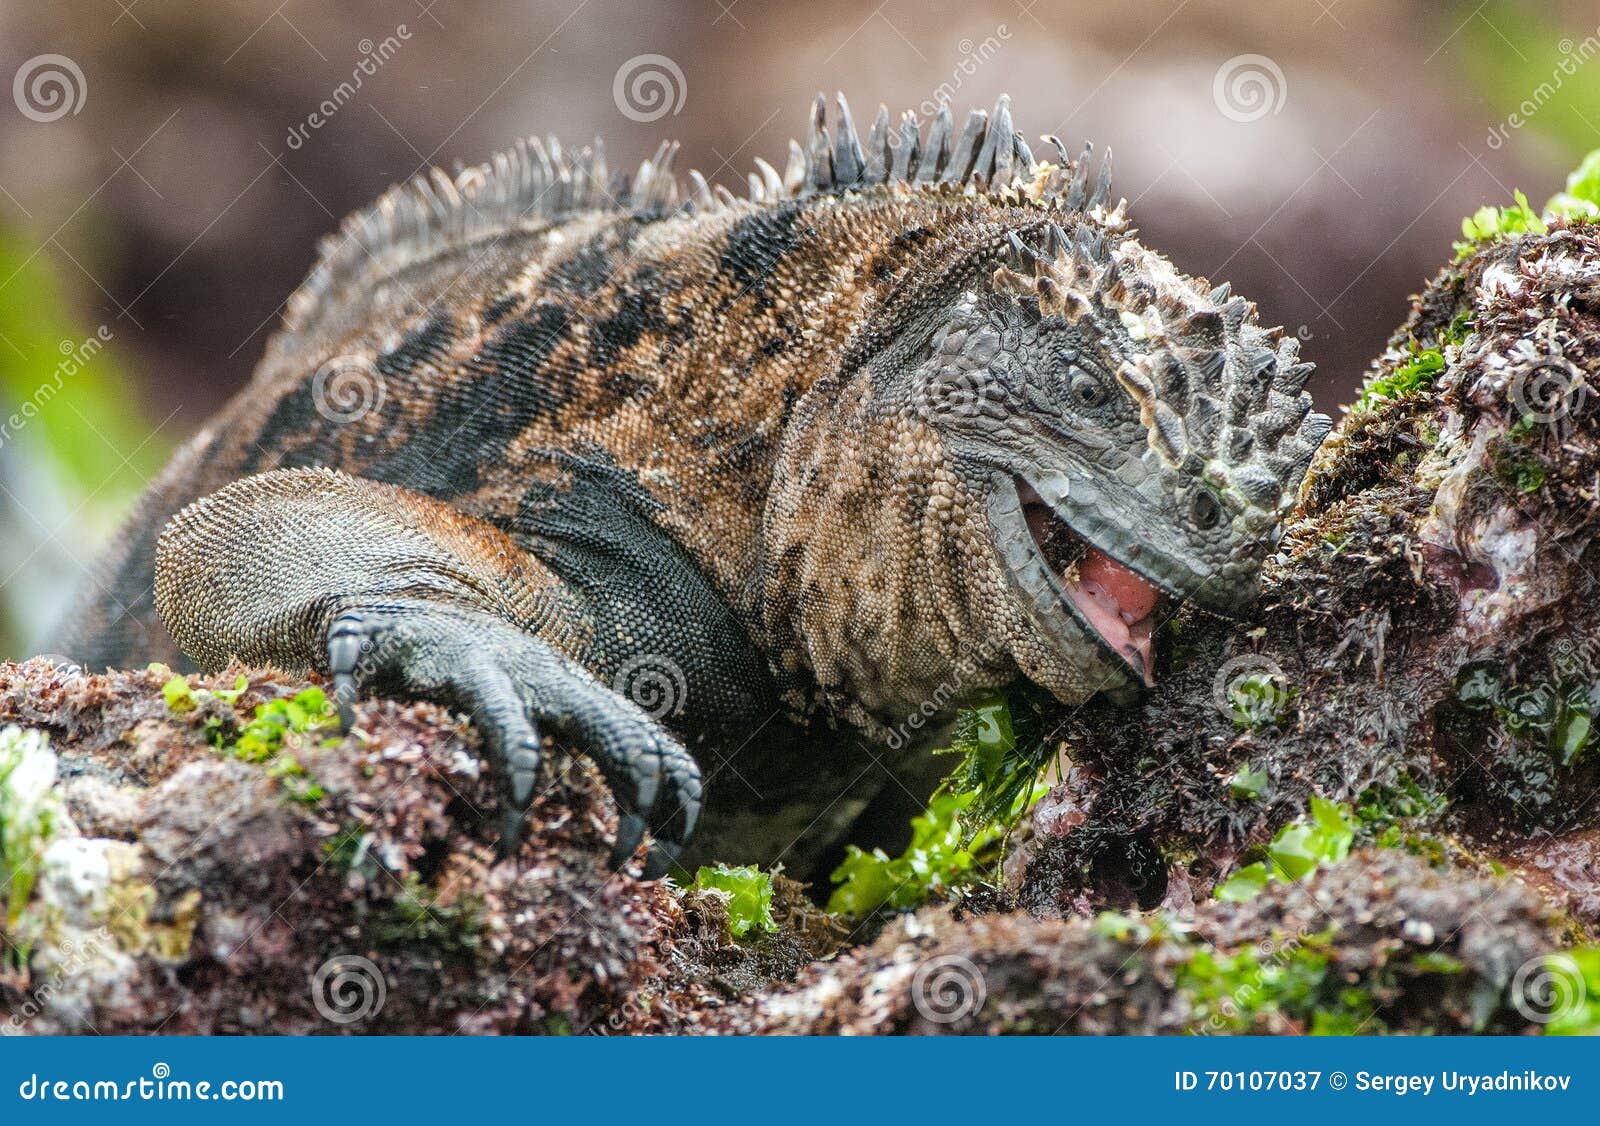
<point>514,686</point>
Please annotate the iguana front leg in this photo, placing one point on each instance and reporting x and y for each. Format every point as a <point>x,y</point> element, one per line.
<point>391,591</point>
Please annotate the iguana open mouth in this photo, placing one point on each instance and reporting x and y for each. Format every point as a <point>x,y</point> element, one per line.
<point>1119,605</point>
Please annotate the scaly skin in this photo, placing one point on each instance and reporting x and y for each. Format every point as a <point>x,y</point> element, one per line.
<point>541,452</point>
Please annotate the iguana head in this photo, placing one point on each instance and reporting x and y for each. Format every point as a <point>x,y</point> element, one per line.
<point>1120,436</point>
<point>1136,438</point>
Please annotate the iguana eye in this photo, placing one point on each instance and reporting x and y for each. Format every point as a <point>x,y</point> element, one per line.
<point>1086,390</point>
<point>1205,510</point>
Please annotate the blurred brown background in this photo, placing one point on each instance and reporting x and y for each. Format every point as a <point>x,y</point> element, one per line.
<point>165,168</point>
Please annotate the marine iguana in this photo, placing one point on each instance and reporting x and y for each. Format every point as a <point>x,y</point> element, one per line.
<point>648,466</point>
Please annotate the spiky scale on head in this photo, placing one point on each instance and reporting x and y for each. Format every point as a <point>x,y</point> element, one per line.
<point>1222,397</point>
<point>1194,508</point>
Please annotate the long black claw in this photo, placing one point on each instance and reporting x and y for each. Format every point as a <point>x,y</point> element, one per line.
<point>344,698</point>
<point>520,772</point>
<point>523,767</point>
<point>691,818</point>
<point>346,638</point>
<point>512,821</point>
<point>663,855</point>
<point>630,831</point>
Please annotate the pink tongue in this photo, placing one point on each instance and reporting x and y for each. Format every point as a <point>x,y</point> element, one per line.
<point>1118,603</point>
<point>1101,575</point>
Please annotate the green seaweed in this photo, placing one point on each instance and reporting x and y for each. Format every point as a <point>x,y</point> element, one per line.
<point>1417,373</point>
<point>1580,201</point>
<point>1290,977</point>
<point>1003,749</point>
<point>1492,222</point>
<point>1248,783</point>
<point>271,734</point>
<point>746,892</point>
<point>970,815</point>
<point>1557,716</point>
<point>416,916</point>
<point>940,857</point>
<point>1575,976</point>
<point>1322,836</point>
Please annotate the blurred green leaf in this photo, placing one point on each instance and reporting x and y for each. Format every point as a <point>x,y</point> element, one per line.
<point>1549,76</point>
<point>65,399</point>
<point>74,451</point>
